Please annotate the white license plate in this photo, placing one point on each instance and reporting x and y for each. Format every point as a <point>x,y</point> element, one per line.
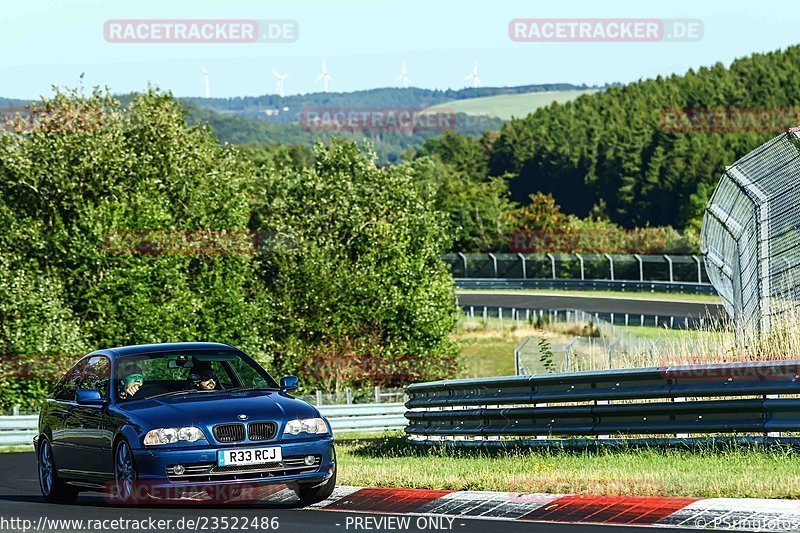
<point>251,456</point>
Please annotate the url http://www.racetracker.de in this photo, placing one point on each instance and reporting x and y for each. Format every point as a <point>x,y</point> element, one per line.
<point>144,525</point>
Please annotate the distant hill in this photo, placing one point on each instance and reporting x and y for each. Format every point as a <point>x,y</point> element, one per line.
<point>389,145</point>
<point>274,120</point>
<point>508,106</point>
<point>11,102</point>
<point>274,108</point>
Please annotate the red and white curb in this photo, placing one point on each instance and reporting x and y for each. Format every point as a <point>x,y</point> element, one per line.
<point>718,513</point>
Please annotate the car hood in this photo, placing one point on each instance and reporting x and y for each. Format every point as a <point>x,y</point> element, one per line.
<point>207,409</point>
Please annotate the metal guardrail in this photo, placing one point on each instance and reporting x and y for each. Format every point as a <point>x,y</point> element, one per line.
<point>700,399</point>
<point>508,315</point>
<point>365,417</point>
<point>683,287</point>
<point>20,430</point>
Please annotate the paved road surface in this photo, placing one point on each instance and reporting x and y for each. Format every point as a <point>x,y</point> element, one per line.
<point>591,304</point>
<point>20,499</point>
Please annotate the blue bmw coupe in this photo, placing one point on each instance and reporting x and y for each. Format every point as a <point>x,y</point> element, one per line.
<point>179,421</point>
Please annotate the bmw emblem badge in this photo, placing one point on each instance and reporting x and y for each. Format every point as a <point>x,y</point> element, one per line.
<point>243,417</point>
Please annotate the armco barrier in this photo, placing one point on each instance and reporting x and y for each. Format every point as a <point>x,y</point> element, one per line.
<point>682,287</point>
<point>733,399</point>
<point>367,417</point>
<point>20,430</point>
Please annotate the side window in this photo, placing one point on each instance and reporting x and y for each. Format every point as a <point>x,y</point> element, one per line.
<point>246,375</point>
<point>65,390</point>
<point>223,372</point>
<point>96,374</point>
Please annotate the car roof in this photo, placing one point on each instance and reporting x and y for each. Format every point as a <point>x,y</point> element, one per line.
<point>136,349</point>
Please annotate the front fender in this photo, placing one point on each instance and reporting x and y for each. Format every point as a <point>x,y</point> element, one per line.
<point>132,436</point>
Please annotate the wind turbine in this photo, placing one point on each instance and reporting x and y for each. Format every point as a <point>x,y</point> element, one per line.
<point>206,88</point>
<point>279,87</point>
<point>324,76</point>
<point>476,81</point>
<point>403,76</point>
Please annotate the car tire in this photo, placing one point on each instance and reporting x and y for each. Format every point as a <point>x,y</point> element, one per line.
<point>125,475</point>
<point>53,489</point>
<point>310,494</point>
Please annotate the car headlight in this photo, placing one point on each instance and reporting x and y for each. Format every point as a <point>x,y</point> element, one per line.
<point>313,426</point>
<point>172,435</point>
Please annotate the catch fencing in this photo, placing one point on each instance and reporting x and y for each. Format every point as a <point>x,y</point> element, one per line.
<point>750,234</point>
<point>735,398</point>
<point>641,268</point>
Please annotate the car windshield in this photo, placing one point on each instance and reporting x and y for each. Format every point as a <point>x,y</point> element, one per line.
<point>192,372</point>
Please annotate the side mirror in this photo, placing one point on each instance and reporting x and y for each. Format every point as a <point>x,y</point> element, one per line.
<point>89,397</point>
<point>289,383</point>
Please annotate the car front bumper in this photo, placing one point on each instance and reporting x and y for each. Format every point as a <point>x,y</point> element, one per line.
<point>199,477</point>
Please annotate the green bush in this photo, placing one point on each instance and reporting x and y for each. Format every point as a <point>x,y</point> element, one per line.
<point>346,263</point>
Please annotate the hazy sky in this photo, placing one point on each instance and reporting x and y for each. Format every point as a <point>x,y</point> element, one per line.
<point>43,43</point>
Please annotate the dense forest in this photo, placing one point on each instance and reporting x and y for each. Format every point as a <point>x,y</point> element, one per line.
<point>611,160</point>
<point>611,154</point>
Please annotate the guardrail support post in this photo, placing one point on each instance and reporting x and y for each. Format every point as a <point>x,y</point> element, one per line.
<point>602,402</point>
<point>611,265</point>
<point>464,259</point>
<point>500,316</point>
<point>681,435</point>
<point>699,269</point>
<point>772,433</point>
<point>669,262</point>
<point>348,395</point>
<point>552,264</point>
<point>319,397</point>
<point>377,394</point>
<point>524,266</point>
<point>494,264</point>
<point>641,267</point>
<point>580,258</point>
<point>15,410</point>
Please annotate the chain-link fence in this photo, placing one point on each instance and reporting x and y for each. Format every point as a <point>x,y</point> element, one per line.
<point>615,267</point>
<point>751,234</point>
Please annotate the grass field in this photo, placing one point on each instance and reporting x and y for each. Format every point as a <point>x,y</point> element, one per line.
<point>506,106</point>
<point>736,472</point>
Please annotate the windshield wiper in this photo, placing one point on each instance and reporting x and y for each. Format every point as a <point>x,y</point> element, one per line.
<point>240,389</point>
<point>175,393</point>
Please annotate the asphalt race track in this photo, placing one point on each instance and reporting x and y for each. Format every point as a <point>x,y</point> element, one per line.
<point>591,304</point>
<point>20,499</point>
